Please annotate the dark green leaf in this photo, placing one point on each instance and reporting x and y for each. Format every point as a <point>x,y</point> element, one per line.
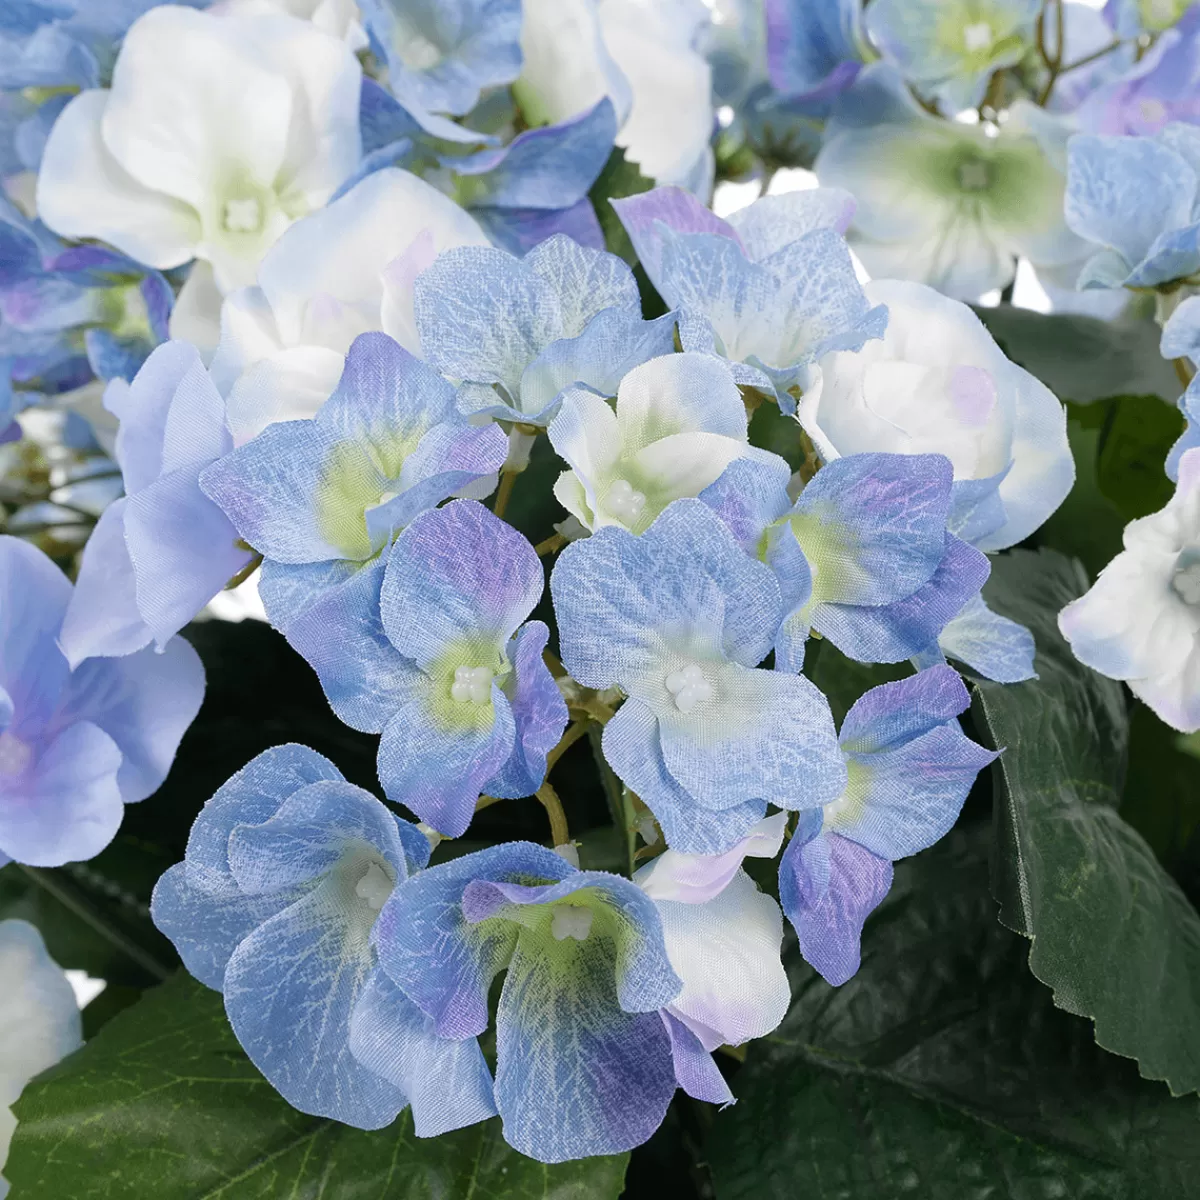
<point>618,179</point>
<point>842,679</point>
<point>1082,359</point>
<point>1112,934</point>
<point>943,1070</point>
<point>164,1104</point>
<point>1137,434</point>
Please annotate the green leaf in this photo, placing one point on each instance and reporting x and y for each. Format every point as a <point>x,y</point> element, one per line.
<point>164,1104</point>
<point>842,679</point>
<point>1138,432</point>
<point>943,1070</point>
<point>618,178</point>
<point>1081,358</point>
<point>1112,934</point>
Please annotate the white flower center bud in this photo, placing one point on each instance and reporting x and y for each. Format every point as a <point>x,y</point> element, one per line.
<point>689,687</point>
<point>15,755</point>
<point>624,502</point>
<point>1152,111</point>
<point>374,887</point>
<point>978,37</point>
<point>418,53</point>
<point>571,921</point>
<point>472,684</point>
<point>242,215</point>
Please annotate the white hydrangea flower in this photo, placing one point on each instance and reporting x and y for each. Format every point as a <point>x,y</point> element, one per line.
<point>338,17</point>
<point>39,1019</point>
<point>937,383</point>
<point>345,270</point>
<point>678,422</point>
<point>1140,621</point>
<point>639,53</point>
<point>217,134</point>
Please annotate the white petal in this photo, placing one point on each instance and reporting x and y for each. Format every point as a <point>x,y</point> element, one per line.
<point>727,954</point>
<point>196,317</point>
<point>289,386</point>
<point>83,192</point>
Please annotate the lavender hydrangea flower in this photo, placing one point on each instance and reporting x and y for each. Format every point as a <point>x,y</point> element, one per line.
<point>517,332</point>
<point>431,652</point>
<point>160,553</point>
<point>1147,236</point>
<point>275,906</point>
<point>678,618</point>
<point>910,769</point>
<point>584,1061</point>
<point>770,290</point>
<point>863,556</point>
<point>319,498</point>
<point>77,746</point>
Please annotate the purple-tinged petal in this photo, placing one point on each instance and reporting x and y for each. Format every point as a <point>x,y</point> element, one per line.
<point>695,1070</point>
<point>675,208</point>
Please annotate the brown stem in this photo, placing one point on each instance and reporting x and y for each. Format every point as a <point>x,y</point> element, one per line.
<point>245,573</point>
<point>560,835</point>
<point>1184,370</point>
<point>504,491</point>
<point>554,542</point>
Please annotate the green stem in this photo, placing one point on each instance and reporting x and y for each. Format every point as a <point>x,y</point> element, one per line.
<point>560,835</point>
<point>504,491</point>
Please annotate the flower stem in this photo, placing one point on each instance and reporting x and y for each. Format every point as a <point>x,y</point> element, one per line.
<point>504,491</point>
<point>554,542</point>
<point>560,835</point>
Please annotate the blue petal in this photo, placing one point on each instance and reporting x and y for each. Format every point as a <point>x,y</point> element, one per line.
<point>976,507</point>
<point>614,593</point>
<point>828,886</point>
<point>889,716</point>
<point>288,590</point>
<point>575,1074</point>
<point>539,712</point>
<point>1175,254</point>
<point>446,1082</point>
<point>291,987</point>
<point>519,230</point>
<point>427,948</point>
<point>1181,333</point>
<point>896,631</point>
<point>990,644</point>
<point>806,43</point>
<point>750,495</point>
<point>458,576</point>
<point>632,749</point>
<point>438,770</point>
<point>695,1070</point>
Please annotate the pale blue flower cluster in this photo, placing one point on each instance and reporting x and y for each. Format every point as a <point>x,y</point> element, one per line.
<point>392,301</point>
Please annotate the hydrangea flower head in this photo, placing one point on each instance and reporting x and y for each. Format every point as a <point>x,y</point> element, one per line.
<point>910,768</point>
<point>517,332</point>
<point>1147,236</point>
<point>318,498</point>
<point>678,422</point>
<point>77,746</point>
<point>161,552</point>
<point>770,290</point>
<point>678,618</point>
<point>440,55</point>
<point>863,556</point>
<point>432,652</point>
<point>940,202</point>
<point>950,48</point>
<point>209,154</point>
<point>39,1019</point>
<point>584,1063</point>
<point>340,272</point>
<point>274,906</point>
<point>1140,622</point>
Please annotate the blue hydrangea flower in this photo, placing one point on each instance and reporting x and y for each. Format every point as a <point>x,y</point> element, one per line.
<point>442,55</point>
<point>910,768</point>
<point>771,289</point>
<point>430,651</point>
<point>1148,235</point>
<point>161,552</point>
<point>813,50</point>
<point>950,48</point>
<point>67,312</point>
<point>522,193</point>
<point>1163,86</point>
<point>584,1060</point>
<point>517,332</point>
<point>678,618</point>
<point>1181,339</point>
<point>319,498</point>
<point>991,645</point>
<point>275,906</point>
<point>77,746</point>
<point>863,556</point>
